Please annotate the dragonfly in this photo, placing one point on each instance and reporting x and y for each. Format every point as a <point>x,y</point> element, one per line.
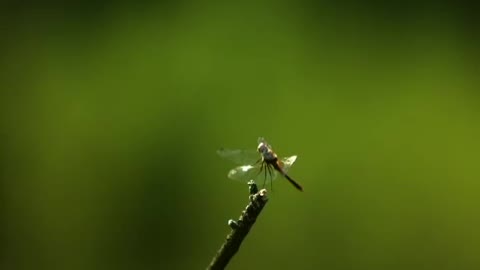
<point>253,163</point>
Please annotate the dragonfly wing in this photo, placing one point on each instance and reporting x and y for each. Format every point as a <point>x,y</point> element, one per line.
<point>287,162</point>
<point>239,156</point>
<point>249,172</point>
<point>261,140</point>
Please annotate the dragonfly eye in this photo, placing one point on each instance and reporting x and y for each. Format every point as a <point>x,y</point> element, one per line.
<point>262,148</point>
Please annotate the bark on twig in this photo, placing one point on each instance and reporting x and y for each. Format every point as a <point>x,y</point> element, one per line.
<point>240,228</point>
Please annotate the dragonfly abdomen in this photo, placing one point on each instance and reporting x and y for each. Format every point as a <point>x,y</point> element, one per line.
<point>282,172</point>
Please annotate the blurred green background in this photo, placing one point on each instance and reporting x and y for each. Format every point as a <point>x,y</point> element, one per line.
<point>111,113</point>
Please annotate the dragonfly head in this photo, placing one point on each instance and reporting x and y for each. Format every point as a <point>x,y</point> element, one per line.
<point>263,148</point>
<point>266,151</point>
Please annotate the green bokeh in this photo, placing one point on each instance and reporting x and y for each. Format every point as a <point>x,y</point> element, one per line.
<point>111,115</point>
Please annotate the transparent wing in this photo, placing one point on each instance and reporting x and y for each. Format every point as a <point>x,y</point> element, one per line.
<point>253,172</point>
<point>249,172</point>
<point>287,162</point>
<point>244,157</point>
<point>262,140</point>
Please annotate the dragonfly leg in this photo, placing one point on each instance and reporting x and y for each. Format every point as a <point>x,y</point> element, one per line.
<point>265,178</point>
<point>259,172</point>
<point>270,173</point>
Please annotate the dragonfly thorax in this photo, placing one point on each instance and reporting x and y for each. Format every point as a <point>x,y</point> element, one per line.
<point>266,152</point>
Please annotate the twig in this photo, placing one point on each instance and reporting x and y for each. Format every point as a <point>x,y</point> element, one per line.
<point>240,228</point>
